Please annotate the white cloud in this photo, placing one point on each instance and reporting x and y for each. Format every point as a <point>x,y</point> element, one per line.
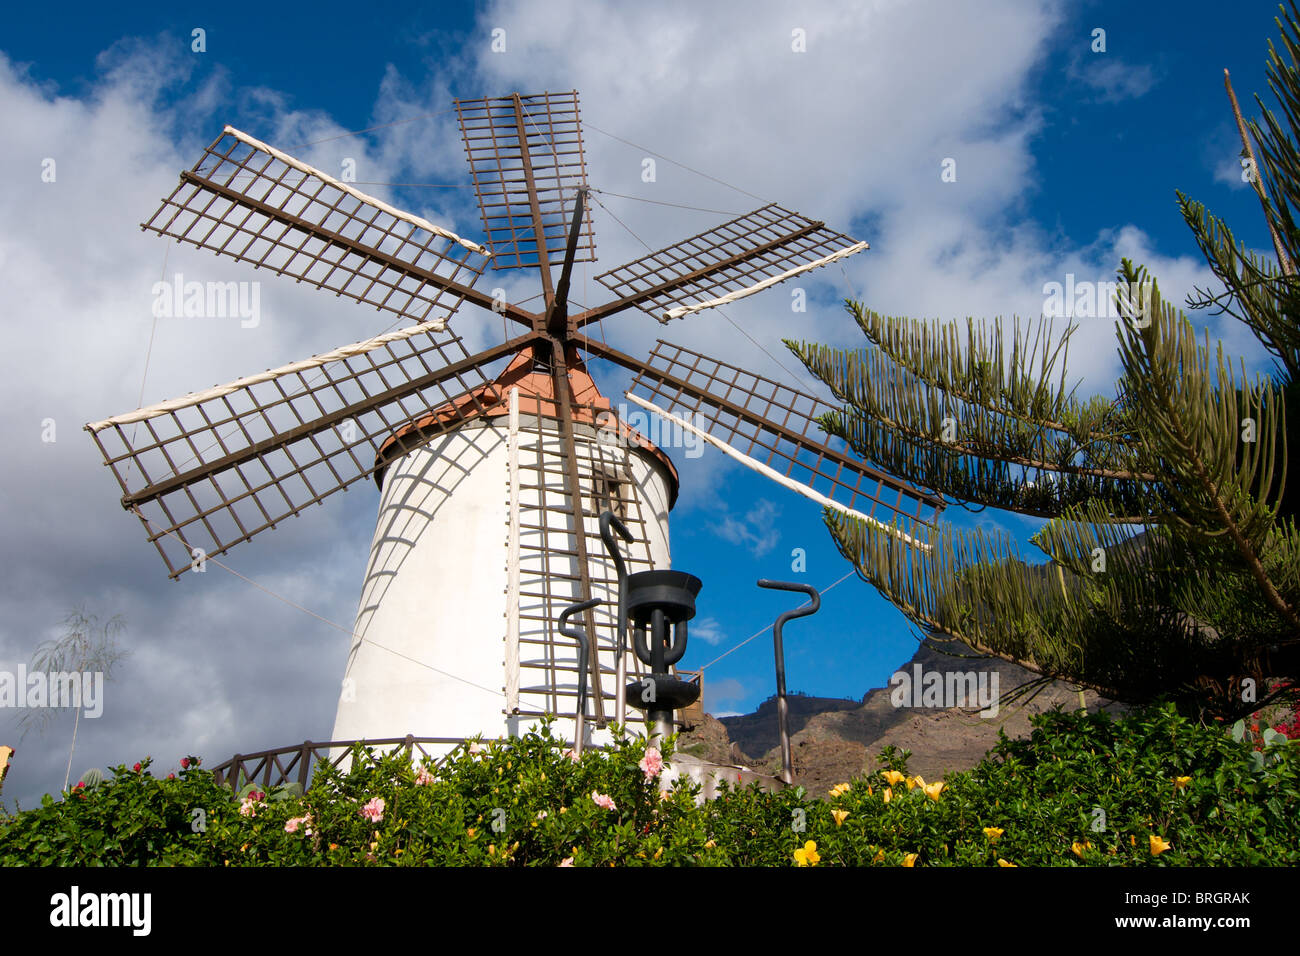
<point>755,530</point>
<point>1112,78</point>
<point>709,630</point>
<point>721,696</point>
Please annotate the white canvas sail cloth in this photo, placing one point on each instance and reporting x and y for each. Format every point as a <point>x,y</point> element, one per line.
<point>776,476</point>
<point>309,170</point>
<point>316,361</point>
<point>681,310</point>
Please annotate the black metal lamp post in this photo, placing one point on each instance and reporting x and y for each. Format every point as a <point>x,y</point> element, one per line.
<point>782,710</point>
<point>659,603</point>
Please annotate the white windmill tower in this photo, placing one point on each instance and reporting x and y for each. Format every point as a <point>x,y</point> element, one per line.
<point>491,478</point>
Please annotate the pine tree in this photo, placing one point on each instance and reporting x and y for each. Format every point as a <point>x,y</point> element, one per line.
<point>1174,555</point>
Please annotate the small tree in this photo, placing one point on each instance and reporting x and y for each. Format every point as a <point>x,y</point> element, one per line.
<point>88,646</point>
<point>1174,553</point>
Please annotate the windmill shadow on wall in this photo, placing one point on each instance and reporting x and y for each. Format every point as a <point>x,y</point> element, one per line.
<point>538,452</point>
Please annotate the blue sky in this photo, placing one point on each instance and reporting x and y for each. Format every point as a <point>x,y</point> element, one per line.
<point>1067,159</point>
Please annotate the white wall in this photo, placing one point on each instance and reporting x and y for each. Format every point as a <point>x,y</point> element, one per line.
<point>435,589</point>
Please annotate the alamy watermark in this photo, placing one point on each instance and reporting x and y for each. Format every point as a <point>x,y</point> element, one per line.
<point>208,300</point>
<point>659,432</point>
<point>72,689</point>
<point>1099,300</point>
<point>945,689</point>
<point>128,910</point>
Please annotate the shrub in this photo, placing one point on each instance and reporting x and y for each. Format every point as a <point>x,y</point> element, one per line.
<point>1153,788</point>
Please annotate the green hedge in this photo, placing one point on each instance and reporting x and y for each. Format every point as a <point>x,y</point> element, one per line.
<point>1082,790</point>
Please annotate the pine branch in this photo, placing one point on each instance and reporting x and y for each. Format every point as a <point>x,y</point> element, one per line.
<point>1195,419</point>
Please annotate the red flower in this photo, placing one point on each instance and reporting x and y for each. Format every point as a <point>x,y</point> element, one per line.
<point>136,768</point>
<point>81,784</point>
<point>171,776</point>
<point>185,763</point>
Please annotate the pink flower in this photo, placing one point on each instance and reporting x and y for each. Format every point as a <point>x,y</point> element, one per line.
<point>248,808</point>
<point>652,763</point>
<point>567,861</point>
<point>475,749</point>
<point>603,800</point>
<point>293,823</point>
<point>572,755</point>
<point>374,810</point>
<point>423,777</point>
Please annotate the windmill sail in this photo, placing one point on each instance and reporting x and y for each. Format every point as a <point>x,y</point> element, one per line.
<point>776,426</point>
<point>526,159</point>
<point>249,201</point>
<point>737,258</point>
<point>215,468</point>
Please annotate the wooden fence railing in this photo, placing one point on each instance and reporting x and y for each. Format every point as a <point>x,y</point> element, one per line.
<point>274,768</point>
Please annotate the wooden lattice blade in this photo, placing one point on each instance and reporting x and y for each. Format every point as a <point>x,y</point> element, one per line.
<point>776,426</point>
<point>738,258</point>
<point>249,201</point>
<point>510,141</point>
<point>215,468</point>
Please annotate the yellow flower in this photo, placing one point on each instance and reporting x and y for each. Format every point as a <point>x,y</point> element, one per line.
<point>470,833</point>
<point>893,777</point>
<point>710,845</point>
<point>1132,840</point>
<point>1180,782</point>
<point>492,849</point>
<point>658,853</point>
<point>1002,862</point>
<point>917,781</point>
<point>807,854</point>
<point>1079,848</point>
<point>1158,845</point>
<point>887,793</point>
<point>398,851</point>
<point>840,789</point>
<point>993,833</point>
<point>839,816</point>
<point>932,790</point>
<point>880,855</point>
<point>910,859</point>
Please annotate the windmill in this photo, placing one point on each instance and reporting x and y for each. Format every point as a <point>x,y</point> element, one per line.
<point>491,482</point>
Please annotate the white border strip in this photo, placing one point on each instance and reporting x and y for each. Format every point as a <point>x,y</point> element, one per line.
<point>356,193</point>
<point>776,476</point>
<point>194,398</point>
<point>844,253</point>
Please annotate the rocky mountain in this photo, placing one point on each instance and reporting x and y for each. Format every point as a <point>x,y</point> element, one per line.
<point>833,739</point>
